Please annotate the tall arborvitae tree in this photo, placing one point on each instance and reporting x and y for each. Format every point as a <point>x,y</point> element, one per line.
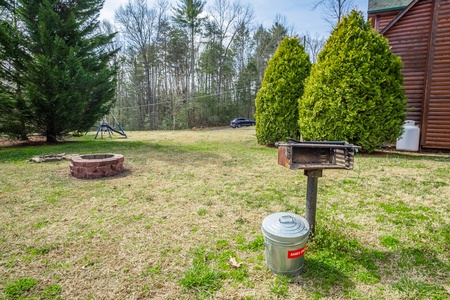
<point>277,100</point>
<point>68,82</point>
<point>355,91</point>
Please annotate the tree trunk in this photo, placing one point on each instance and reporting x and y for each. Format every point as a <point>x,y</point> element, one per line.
<point>148,94</point>
<point>50,136</point>
<point>192,63</point>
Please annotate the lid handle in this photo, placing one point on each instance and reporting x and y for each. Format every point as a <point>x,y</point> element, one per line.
<point>286,219</point>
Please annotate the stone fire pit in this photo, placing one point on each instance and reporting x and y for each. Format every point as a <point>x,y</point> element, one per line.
<point>96,165</point>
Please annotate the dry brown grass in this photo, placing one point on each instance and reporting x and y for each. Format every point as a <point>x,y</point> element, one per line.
<point>132,236</point>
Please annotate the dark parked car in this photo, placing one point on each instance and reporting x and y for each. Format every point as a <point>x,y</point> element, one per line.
<point>239,122</point>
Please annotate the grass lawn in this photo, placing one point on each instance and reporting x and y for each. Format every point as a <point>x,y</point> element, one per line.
<point>188,200</point>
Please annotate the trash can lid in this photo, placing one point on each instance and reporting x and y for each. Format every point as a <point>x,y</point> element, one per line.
<point>285,227</point>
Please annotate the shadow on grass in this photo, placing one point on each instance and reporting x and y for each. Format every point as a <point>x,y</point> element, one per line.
<point>130,149</point>
<point>25,152</point>
<point>325,279</point>
<point>336,264</point>
<point>414,156</point>
<point>333,262</point>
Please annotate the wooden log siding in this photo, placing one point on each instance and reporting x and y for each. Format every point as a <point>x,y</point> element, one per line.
<point>421,37</point>
<point>436,122</point>
<point>409,39</point>
<point>379,21</point>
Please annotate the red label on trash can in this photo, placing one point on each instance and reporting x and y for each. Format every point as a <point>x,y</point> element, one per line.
<point>296,253</point>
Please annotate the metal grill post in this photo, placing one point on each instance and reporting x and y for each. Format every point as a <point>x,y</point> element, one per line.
<point>311,197</point>
<point>313,157</point>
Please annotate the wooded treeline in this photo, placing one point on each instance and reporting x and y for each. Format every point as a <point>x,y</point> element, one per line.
<point>194,64</point>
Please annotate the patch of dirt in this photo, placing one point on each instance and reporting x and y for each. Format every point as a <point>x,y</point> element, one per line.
<point>32,140</point>
<point>201,128</point>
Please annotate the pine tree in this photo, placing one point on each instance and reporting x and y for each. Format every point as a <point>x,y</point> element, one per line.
<point>187,15</point>
<point>69,83</point>
<point>13,107</point>
<point>355,91</point>
<point>277,100</point>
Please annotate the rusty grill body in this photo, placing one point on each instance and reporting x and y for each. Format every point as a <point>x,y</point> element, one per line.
<point>316,155</point>
<point>313,157</point>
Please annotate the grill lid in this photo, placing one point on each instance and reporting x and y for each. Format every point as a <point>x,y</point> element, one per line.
<point>285,227</point>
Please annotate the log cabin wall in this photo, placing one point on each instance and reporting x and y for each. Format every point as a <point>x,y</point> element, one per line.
<point>380,20</point>
<point>436,120</point>
<point>420,34</point>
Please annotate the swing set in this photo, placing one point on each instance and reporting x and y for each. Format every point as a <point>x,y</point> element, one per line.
<point>105,127</point>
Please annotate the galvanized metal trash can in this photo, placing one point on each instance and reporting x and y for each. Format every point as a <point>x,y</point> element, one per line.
<point>285,237</point>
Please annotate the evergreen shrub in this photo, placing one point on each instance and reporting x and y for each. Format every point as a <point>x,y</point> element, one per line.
<point>355,91</point>
<point>277,100</point>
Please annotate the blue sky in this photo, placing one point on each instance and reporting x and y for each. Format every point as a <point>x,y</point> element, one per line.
<point>298,13</point>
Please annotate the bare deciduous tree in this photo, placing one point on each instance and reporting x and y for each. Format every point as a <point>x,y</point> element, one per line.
<point>138,23</point>
<point>313,45</point>
<point>334,10</point>
<point>227,18</point>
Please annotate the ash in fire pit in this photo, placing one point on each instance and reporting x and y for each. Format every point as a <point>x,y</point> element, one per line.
<point>96,165</point>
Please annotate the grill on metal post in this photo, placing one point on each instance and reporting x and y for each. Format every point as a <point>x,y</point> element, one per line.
<point>313,157</point>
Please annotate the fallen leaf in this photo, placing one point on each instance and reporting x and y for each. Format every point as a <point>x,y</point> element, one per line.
<point>233,263</point>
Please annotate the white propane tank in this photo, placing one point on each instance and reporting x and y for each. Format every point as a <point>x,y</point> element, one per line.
<point>409,141</point>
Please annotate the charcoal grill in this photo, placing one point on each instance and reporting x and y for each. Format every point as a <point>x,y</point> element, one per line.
<point>316,155</point>
<point>313,157</point>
